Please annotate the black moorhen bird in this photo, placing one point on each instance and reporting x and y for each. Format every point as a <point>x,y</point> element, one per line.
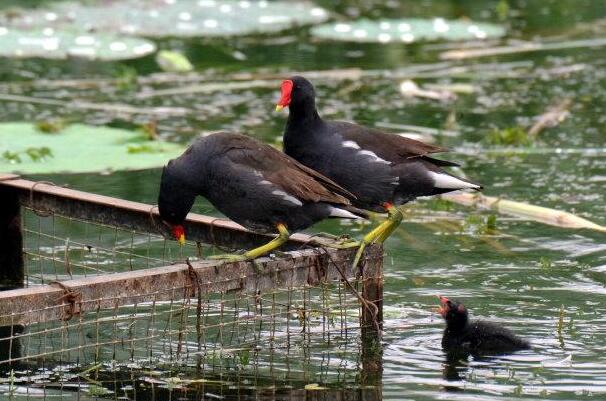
<point>475,337</point>
<point>253,184</point>
<point>383,171</point>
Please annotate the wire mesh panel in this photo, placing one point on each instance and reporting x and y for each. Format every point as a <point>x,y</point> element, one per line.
<point>224,330</point>
<point>59,247</point>
<point>108,308</point>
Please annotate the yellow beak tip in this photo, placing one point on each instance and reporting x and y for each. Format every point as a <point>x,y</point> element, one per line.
<point>182,240</point>
<point>279,107</point>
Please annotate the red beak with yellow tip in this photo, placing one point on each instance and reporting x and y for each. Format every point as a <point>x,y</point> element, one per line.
<point>179,234</point>
<point>286,89</point>
<point>443,309</point>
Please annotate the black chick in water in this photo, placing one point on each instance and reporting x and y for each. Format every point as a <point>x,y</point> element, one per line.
<point>475,337</point>
<point>253,184</point>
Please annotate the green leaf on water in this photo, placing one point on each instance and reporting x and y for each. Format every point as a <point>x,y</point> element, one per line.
<point>53,44</point>
<point>172,61</point>
<point>509,136</point>
<point>79,149</point>
<point>144,149</point>
<point>407,30</point>
<point>11,157</point>
<point>502,9</point>
<point>51,126</point>
<point>545,262</point>
<point>38,154</point>
<point>175,18</point>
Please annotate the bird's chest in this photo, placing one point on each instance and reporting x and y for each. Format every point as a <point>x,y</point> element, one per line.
<point>307,147</point>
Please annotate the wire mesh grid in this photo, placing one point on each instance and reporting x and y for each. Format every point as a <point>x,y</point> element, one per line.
<point>304,332</point>
<point>60,247</point>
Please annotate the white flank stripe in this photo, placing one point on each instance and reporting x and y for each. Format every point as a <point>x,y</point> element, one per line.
<point>265,182</point>
<point>350,144</point>
<point>287,197</point>
<point>374,157</point>
<point>336,212</point>
<point>449,182</point>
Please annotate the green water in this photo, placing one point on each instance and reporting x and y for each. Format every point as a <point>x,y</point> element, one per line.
<point>520,275</point>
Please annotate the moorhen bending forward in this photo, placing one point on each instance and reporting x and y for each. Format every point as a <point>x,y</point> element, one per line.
<point>383,171</point>
<point>253,184</point>
<point>475,337</point>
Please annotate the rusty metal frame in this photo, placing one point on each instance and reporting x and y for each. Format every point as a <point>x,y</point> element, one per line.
<point>294,268</point>
<point>134,216</point>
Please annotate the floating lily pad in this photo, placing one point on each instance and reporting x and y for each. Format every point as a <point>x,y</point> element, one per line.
<point>407,30</point>
<point>78,149</point>
<point>48,43</point>
<point>173,18</point>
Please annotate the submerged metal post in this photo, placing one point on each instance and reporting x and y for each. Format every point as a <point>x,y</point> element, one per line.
<point>11,265</point>
<point>371,319</point>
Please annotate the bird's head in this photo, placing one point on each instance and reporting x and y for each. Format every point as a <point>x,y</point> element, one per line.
<point>296,91</point>
<point>175,200</point>
<point>453,312</point>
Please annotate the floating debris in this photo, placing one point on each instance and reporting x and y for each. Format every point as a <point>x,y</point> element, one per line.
<point>417,129</point>
<point>552,117</point>
<point>539,214</point>
<point>175,18</point>
<point>407,30</point>
<point>81,148</point>
<point>462,88</point>
<point>52,44</point>
<point>410,89</point>
<point>117,109</point>
<point>523,47</point>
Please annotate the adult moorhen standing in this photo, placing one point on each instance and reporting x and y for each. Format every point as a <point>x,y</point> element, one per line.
<point>253,184</point>
<point>476,337</point>
<point>383,171</point>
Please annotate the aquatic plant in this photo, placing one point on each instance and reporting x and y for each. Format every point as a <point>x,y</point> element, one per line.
<point>53,44</point>
<point>407,30</point>
<point>79,148</point>
<point>178,18</point>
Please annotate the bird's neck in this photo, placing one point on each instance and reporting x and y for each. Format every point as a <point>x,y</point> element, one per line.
<point>304,113</point>
<point>457,325</point>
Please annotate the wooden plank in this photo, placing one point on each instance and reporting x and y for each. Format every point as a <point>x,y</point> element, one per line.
<point>11,240</point>
<point>298,268</point>
<point>11,264</point>
<point>371,320</point>
<point>134,216</point>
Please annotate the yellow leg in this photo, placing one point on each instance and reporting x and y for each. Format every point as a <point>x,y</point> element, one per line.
<point>380,233</point>
<point>275,243</point>
<point>396,219</point>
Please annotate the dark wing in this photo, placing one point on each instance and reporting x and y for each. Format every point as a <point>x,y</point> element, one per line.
<point>287,174</point>
<point>394,148</point>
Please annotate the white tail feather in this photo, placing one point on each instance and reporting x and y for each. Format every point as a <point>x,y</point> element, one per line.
<point>336,212</point>
<point>447,181</point>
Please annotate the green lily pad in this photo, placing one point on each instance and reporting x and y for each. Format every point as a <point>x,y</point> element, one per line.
<point>79,148</point>
<point>48,43</point>
<point>407,30</point>
<point>173,18</point>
